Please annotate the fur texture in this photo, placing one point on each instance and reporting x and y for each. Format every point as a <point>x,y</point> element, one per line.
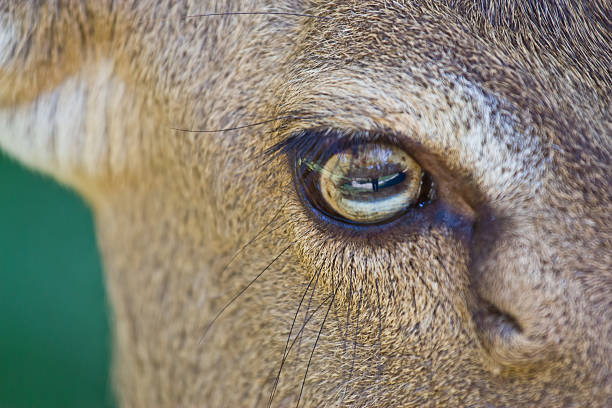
<point>500,295</point>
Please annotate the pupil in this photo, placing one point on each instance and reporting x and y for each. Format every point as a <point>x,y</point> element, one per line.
<point>375,184</point>
<point>390,181</point>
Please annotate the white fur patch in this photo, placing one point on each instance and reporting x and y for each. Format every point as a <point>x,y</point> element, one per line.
<point>66,131</point>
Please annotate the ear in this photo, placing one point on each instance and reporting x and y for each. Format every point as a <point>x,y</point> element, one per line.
<point>62,106</point>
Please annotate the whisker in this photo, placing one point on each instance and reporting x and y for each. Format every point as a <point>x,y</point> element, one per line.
<point>333,284</point>
<point>289,339</point>
<point>207,329</point>
<point>354,345</point>
<point>271,374</point>
<point>334,266</point>
<point>297,353</point>
<point>257,13</point>
<point>301,331</point>
<point>379,331</point>
<point>261,389</point>
<point>315,345</point>
<point>260,232</point>
<point>348,312</point>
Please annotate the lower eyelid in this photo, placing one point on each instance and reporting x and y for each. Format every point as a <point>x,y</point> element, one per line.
<point>314,226</point>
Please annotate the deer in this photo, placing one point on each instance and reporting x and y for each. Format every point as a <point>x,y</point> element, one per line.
<point>315,203</point>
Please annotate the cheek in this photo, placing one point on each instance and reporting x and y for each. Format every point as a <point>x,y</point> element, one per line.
<point>407,275</point>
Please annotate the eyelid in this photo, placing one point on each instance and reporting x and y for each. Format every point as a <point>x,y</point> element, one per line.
<point>325,139</point>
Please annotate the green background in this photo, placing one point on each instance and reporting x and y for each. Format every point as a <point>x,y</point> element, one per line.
<point>54,330</point>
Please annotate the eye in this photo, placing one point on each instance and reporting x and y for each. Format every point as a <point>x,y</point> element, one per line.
<point>369,183</point>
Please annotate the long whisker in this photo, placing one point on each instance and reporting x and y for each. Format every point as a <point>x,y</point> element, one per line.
<point>259,233</point>
<point>306,314</point>
<point>257,13</point>
<point>301,331</point>
<point>261,389</point>
<point>315,345</point>
<point>354,345</point>
<point>270,375</point>
<point>379,331</point>
<point>307,321</point>
<point>348,316</point>
<point>334,263</point>
<point>224,308</point>
<point>283,359</point>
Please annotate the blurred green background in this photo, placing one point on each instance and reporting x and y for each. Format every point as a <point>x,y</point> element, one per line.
<point>54,330</point>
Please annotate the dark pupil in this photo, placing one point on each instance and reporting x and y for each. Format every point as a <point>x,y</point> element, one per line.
<point>374,184</point>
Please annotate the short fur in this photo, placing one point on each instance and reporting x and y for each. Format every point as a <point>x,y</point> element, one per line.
<point>503,301</point>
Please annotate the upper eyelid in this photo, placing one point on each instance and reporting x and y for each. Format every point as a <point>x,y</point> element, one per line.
<point>317,139</point>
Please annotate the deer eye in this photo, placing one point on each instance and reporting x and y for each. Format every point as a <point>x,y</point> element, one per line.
<point>371,183</point>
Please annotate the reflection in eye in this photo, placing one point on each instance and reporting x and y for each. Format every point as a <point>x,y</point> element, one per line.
<point>371,184</point>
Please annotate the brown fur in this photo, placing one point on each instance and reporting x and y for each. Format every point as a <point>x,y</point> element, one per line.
<point>505,302</point>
